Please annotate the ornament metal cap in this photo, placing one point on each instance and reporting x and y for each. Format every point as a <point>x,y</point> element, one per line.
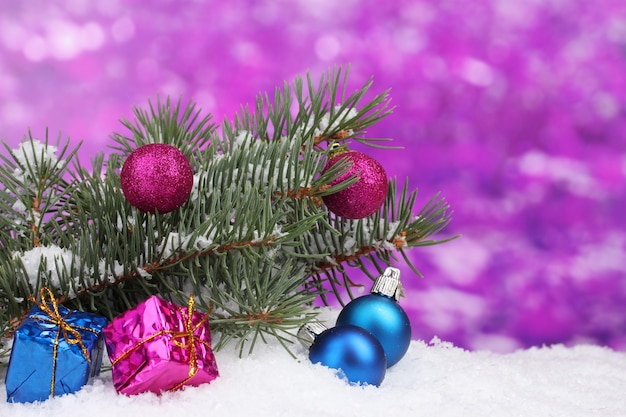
<point>310,331</point>
<point>388,284</point>
<point>337,148</point>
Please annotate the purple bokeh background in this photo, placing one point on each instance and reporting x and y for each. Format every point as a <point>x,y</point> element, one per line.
<point>514,110</point>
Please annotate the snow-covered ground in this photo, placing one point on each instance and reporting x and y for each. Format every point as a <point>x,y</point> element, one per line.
<point>433,379</point>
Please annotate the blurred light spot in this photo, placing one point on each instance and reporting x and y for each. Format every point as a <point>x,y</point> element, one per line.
<point>418,12</point>
<point>616,30</point>
<point>606,105</point>
<point>35,48</point>
<point>13,112</point>
<point>477,72</point>
<point>570,172</point>
<point>515,13</point>
<point>409,40</point>
<point>174,86</point>
<point>13,35</point>
<point>78,7</point>
<point>327,47</point>
<point>463,260</point>
<point>447,309</point>
<point>624,165</point>
<point>63,40</point>
<point>92,36</point>
<point>597,258</point>
<point>577,50</point>
<point>494,343</point>
<point>108,7</point>
<point>322,8</point>
<point>206,101</point>
<point>123,29</point>
<point>266,12</point>
<point>533,163</point>
<point>246,52</point>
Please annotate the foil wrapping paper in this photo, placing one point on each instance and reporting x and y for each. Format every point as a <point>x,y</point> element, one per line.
<point>44,363</point>
<point>152,348</point>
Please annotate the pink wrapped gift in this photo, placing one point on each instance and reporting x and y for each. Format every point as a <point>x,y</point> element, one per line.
<point>159,346</point>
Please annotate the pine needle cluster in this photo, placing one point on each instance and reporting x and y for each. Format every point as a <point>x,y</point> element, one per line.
<point>254,243</point>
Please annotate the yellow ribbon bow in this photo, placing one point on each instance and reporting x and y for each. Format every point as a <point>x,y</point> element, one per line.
<point>70,333</point>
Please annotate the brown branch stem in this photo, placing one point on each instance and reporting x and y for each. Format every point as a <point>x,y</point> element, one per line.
<point>33,224</point>
<point>304,192</point>
<point>341,135</point>
<point>161,265</point>
<point>398,242</point>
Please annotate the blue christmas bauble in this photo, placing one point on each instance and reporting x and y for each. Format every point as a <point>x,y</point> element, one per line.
<point>357,354</point>
<point>383,317</point>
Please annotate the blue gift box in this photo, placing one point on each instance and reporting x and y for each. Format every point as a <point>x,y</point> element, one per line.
<point>55,351</point>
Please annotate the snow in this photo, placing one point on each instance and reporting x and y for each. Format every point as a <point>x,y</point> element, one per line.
<point>326,125</point>
<point>55,258</point>
<point>35,153</point>
<point>433,379</point>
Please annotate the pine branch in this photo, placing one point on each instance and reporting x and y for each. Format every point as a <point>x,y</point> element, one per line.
<point>254,241</point>
<point>323,113</point>
<point>394,229</point>
<point>166,123</point>
<point>35,188</point>
<point>262,298</point>
<point>161,265</point>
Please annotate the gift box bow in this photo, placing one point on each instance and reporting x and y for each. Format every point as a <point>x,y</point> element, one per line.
<point>51,314</point>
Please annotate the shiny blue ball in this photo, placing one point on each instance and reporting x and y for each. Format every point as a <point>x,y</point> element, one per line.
<point>357,354</point>
<point>384,318</point>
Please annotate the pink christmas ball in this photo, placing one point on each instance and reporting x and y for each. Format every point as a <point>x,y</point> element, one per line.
<point>157,177</point>
<point>364,197</point>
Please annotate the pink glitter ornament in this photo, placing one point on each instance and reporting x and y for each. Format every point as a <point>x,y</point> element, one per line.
<point>364,197</point>
<point>159,346</point>
<point>157,177</point>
